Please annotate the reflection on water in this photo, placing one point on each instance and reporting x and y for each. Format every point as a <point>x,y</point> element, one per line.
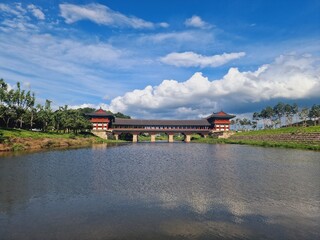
<point>161,191</point>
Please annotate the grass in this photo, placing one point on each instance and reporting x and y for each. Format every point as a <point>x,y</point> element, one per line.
<point>292,130</point>
<point>295,145</point>
<point>8,136</point>
<point>20,133</point>
<point>264,143</point>
<point>210,140</point>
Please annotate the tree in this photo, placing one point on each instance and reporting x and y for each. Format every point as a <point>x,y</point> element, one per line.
<point>279,111</point>
<point>15,103</point>
<point>295,109</point>
<point>256,117</point>
<point>59,118</point>
<point>288,113</point>
<point>267,114</point>
<point>3,98</point>
<point>303,114</point>
<point>75,121</point>
<point>314,113</point>
<point>8,111</point>
<point>121,115</point>
<point>245,123</point>
<point>237,123</point>
<point>45,115</point>
<point>254,124</point>
<point>3,91</point>
<point>30,108</point>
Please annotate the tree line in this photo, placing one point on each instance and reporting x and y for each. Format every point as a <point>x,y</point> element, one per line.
<point>282,114</point>
<point>18,109</point>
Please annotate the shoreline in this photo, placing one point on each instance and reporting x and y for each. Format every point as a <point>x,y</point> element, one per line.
<point>288,145</point>
<point>16,140</point>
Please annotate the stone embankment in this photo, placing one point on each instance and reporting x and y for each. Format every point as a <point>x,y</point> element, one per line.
<point>305,138</point>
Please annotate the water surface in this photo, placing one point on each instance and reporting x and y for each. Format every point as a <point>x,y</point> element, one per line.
<point>161,191</point>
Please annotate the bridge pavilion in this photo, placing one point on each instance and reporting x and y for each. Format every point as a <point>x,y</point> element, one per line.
<point>105,123</point>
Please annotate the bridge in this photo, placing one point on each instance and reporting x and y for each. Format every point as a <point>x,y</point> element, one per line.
<point>104,124</point>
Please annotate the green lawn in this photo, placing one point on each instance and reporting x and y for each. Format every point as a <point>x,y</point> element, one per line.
<point>273,144</point>
<point>283,144</point>
<point>14,133</point>
<point>281,131</point>
<point>19,133</point>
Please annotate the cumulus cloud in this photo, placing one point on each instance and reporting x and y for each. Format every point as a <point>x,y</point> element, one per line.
<point>101,14</point>
<point>36,12</point>
<point>197,22</point>
<point>191,59</point>
<point>289,77</point>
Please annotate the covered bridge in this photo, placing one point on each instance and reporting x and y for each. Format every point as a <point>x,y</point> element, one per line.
<point>104,122</point>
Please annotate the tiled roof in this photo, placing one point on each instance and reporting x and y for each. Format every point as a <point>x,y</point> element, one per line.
<point>143,122</point>
<point>100,113</point>
<point>221,115</point>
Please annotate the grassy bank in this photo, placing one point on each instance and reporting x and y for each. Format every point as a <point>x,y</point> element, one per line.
<point>286,130</point>
<point>295,145</point>
<point>19,140</point>
<point>290,137</point>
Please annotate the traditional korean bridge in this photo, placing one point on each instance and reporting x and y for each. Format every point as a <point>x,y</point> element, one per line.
<point>104,124</point>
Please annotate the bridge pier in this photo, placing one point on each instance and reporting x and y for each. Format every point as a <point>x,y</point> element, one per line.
<point>187,138</point>
<point>153,137</point>
<point>170,138</point>
<point>116,136</point>
<point>134,137</point>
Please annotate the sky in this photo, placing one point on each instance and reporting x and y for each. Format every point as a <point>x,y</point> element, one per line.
<point>163,59</point>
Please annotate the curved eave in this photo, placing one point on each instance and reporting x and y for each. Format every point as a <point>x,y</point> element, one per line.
<point>99,115</point>
<point>216,116</point>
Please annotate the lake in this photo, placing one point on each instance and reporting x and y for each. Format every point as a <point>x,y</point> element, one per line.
<point>161,191</point>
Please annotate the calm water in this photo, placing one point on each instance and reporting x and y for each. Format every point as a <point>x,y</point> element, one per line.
<point>161,191</point>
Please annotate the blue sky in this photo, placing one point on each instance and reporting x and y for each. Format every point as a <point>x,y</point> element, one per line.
<point>163,59</point>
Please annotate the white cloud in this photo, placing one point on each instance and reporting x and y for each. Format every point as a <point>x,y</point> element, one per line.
<point>191,59</point>
<point>17,17</point>
<point>16,10</point>
<point>177,36</point>
<point>36,11</point>
<point>101,14</point>
<point>288,77</point>
<point>20,24</point>
<point>61,69</point>
<point>164,24</point>
<point>188,37</point>
<point>89,105</point>
<point>197,22</point>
